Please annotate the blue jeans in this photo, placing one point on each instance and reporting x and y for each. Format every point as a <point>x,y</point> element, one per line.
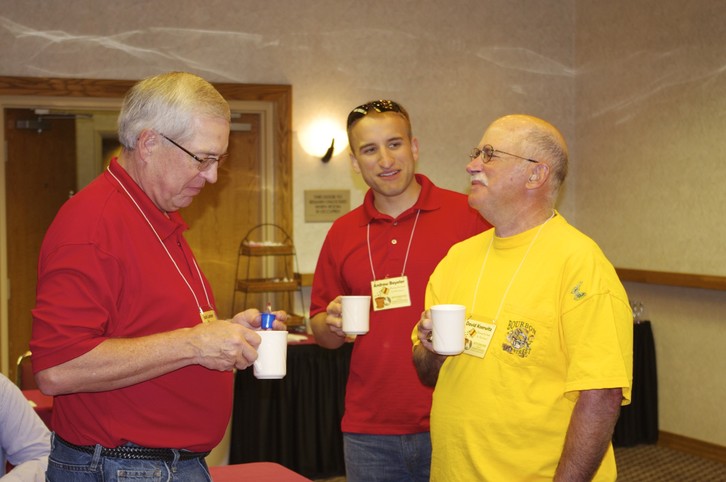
<point>68,464</point>
<point>383,458</point>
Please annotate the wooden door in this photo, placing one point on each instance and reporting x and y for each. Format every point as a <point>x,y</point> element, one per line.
<point>40,174</point>
<point>223,212</point>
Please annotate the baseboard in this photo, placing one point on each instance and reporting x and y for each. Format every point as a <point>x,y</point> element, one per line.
<point>692,446</point>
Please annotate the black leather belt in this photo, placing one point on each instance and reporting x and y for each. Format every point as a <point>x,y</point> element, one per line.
<point>135,453</point>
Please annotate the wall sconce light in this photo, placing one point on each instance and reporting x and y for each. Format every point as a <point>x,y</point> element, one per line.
<point>329,153</point>
<point>323,139</point>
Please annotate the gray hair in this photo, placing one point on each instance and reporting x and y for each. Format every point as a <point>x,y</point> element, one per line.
<point>168,103</point>
<point>540,140</point>
<point>548,144</point>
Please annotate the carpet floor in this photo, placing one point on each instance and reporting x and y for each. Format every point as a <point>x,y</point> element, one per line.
<point>645,463</point>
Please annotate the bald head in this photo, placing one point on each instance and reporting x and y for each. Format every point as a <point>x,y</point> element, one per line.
<point>537,139</point>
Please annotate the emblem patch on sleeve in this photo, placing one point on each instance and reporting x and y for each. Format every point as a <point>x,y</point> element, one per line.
<point>576,293</point>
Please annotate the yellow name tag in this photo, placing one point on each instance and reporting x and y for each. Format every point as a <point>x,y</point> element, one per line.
<point>390,293</point>
<point>477,336</point>
<point>208,316</point>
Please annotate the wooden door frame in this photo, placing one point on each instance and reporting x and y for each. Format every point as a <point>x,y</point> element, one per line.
<point>106,94</point>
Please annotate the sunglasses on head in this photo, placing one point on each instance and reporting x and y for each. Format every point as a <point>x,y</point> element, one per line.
<point>377,105</point>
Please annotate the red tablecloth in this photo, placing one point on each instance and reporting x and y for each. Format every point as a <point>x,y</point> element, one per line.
<point>257,471</point>
<point>43,404</point>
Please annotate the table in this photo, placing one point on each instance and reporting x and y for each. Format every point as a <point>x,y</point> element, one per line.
<point>638,422</point>
<point>259,472</point>
<point>295,421</point>
<point>43,404</point>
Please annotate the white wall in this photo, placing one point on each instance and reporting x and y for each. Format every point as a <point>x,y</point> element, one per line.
<point>455,65</point>
<point>651,116</point>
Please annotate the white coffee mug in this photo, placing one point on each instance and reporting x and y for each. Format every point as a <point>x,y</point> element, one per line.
<point>356,314</point>
<point>448,328</point>
<point>271,355</point>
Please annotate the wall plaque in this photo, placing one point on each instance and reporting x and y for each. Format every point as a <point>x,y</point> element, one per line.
<point>326,205</point>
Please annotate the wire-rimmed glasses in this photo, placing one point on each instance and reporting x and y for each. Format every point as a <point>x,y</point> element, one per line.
<point>205,162</point>
<point>487,152</point>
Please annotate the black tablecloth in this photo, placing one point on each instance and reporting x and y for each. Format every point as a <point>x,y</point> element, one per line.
<point>295,421</point>
<point>638,422</point>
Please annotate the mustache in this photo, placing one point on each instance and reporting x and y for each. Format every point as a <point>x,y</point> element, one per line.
<point>479,177</point>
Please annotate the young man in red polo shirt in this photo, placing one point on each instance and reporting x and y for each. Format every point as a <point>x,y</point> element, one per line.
<point>395,239</point>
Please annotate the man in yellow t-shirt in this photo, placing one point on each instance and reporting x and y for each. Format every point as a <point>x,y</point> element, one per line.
<point>548,353</point>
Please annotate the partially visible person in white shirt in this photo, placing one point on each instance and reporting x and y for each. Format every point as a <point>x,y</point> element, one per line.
<point>24,438</point>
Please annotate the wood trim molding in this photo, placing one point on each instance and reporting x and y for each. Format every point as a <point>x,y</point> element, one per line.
<point>692,446</point>
<point>673,279</point>
<point>640,276</point>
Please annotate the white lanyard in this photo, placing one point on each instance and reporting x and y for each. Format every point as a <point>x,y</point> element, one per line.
<point>368,240</point>
<point>511,281</point>
<point>201,311</point>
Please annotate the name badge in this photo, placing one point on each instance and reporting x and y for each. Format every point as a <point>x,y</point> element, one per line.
<point>207,316</point>
<point>390,293</point>
<point>477,336</point>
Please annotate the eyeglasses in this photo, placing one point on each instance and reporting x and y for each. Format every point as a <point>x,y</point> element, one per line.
<point>487,152</point>
<point>204,163</point>
<point>377,105</point>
